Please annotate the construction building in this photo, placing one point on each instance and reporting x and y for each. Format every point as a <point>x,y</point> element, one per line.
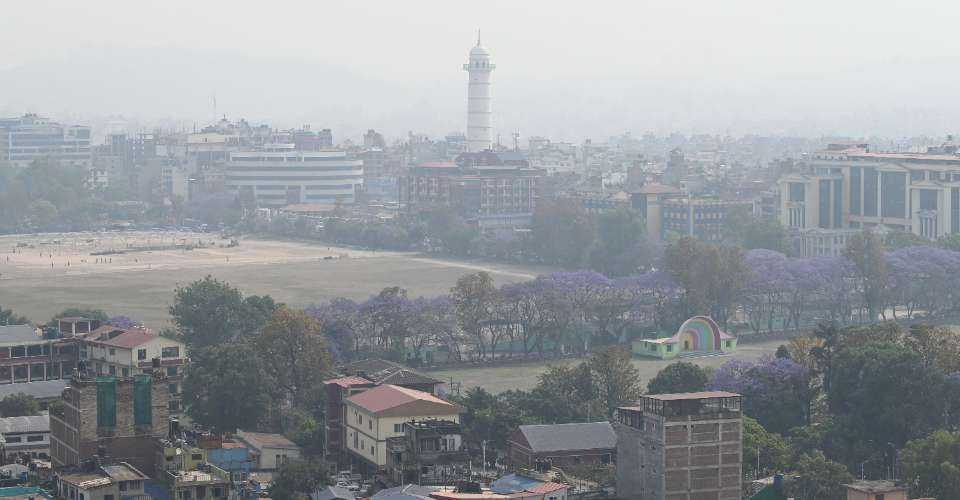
<point>680,447</point>
<point>109,416</point>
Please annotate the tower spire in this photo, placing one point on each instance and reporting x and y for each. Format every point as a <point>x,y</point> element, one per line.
<point>478,37</point>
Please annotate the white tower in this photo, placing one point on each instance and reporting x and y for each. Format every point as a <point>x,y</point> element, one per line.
<point>479,103</point>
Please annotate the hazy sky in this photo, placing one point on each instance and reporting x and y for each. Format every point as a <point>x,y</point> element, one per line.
<point>565,69</point>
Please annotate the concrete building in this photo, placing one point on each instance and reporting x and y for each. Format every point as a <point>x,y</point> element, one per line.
<point>269,450</point>
<point>32,137</point>
<point>380,413</point>
<point>876,490</point>
<point>680,447</point>
<point>26,357</point>
<point>108,482</point>
<point>849,187</point>
<point>667,209</point>
<point>429,452</point>
<point>280,175</point>
<point>26,436</point>
<point>479,99</point>
<point>123,352</point>
<point>206,481</point>
<point>121,417</point>
<point>24,493</point>
<point>562,445</point>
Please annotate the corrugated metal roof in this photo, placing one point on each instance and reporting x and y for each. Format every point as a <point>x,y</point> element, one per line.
<point>43,389</point>
<point>563,437</point>
<point>32,423</point>
<point>14,334</point>
<point>385,397</point>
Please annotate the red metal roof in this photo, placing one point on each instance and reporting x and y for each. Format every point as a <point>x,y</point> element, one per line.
<point>385,397</point>
<point>130,338</point>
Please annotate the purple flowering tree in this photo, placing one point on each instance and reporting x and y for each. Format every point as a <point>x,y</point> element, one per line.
<point>123,322</point>
<point>778,392</point>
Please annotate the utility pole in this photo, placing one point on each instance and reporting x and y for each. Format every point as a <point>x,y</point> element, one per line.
<point>483,448</point>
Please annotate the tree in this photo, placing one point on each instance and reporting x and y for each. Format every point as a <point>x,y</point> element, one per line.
<point>122,322</point>
<point>819,479</point>
<point>210,312</point>
<point>298,479</point>
<point>562,232</point>
<point>490,418</point>
<point>620,248</point>
<point>865,250</point>
<point>8,317</point>
<point>774,451</point>
<point>474,297</point>
<point>712,277</point>
<point>294,356</point>
<point>573,384</point>
<point>884,389</point>
<point>42,213</point>
<point>225,387</point>
<point>617,380</point>
<point>19,405</point>
<point>777,391</point>
<point>931,465</point>
<point>742,228</point>
<point>76,312</point>
<point>678,377</point>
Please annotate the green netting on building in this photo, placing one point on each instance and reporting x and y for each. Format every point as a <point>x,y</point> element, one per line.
<point>142,409</point>
<point>106,401</point>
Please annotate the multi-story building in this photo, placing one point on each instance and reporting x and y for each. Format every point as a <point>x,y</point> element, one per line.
<point>680,447</point>
<point>667,209</point>
<point>270,451</point>
<point>126,352</point>
<point>106,482</point>
<point>31,137</point>
<point>26,357</point>
<point>358,377</point>
<point>429,452</point>
<point>119,416</point>
<point>377,414</point>
<point>27,436</point>
<point>849,187</point>
<point>495,190</point>
<point>206,481</point>
<point>279,175</point>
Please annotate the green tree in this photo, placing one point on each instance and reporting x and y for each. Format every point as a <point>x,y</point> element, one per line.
<point>678,377</point>
<point>19,405</point>
<point>562,233</point>
<point>8,317</point>
<point>617,380</point>
<point>771,448</point>
<point>225,387</point>
<point>931,465</point>
<point>209,312</point>
<point>491,418</point>
<point>712,276</point>
<point>295,356</point>
<point>865,250</point>
<point>819,479</point>
<point>77,312</point>
<point>297,479</point>
<point>572,384</point>
<point>741,227</point>
<point>620,248</point>
<point>42,213</point>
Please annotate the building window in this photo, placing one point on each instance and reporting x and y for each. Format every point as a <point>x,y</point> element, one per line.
<point>878,497</point>
<point>108,497</point>
<point>173,405</point>
<point>170,352</point>
<point>112,369</point>
<point>729,343</point>
<point>14,439</point>
<point>171,371</point>
<point>126,372</point>
<point>398,428</point>
<point>141,354</point>
<point>35,350</point>
<point>196,456</point>
<point>34,439</point>
<point>172,388</point>
<point>18,351</point>
<point>370,424</point>
<point>359,418</point>
<point>669,348</point>
<point>36,371</point>
<point>113,352</point>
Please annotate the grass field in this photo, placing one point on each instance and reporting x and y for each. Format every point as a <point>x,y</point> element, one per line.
<point>51,272</point>
<point>524,376</point>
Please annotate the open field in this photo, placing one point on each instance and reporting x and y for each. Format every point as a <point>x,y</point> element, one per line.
<point>51,272</point>
<point>524,376</point>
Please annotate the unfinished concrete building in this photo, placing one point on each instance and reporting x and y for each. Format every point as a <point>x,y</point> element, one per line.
<point>680,447</point>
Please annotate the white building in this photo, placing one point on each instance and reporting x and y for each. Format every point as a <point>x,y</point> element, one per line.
<point>28,435</point>
<point>479,100</point>
<point>279,176</point>
<point>270,450</point>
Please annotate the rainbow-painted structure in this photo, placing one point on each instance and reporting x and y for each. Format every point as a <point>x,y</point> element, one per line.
<point>699,335</point>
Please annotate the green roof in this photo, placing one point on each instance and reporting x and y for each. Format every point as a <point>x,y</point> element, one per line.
<point>15,491</point>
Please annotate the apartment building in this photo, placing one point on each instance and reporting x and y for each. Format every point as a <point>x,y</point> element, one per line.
<point>680,447</point>
<point>377,414</point>
<point>123,352</point>
<point>107,482</point>
<point>26,436</point>
<point>27,357</point>
<point>848,187</point>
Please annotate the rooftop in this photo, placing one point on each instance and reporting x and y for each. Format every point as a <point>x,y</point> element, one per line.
<point>347,381</point>
<point>381,371</point>
<point>41,389</point>
<point>394,400</point>
<point>560,437</point>
<point>32,423</point>
<point>16,491</point>
<point>17,334</point>
<point>125,338</point>
<point>876,486</point>
<point>692,395</point>
<point>262,440</point>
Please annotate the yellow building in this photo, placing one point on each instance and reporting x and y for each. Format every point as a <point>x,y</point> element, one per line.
<point>379,413</point>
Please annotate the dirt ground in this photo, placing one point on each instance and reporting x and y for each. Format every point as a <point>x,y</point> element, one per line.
<point>47,273</point>
<point>524,376</point>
